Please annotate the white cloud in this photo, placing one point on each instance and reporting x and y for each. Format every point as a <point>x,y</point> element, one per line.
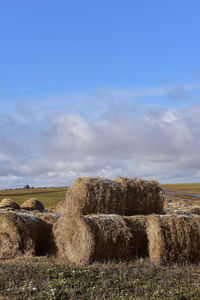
<point>51,147</point>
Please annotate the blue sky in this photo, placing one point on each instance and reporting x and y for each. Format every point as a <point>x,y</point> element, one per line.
<point>71,71</point>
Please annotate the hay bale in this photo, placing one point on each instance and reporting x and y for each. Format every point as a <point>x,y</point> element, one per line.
<point>85,239</point>
<point>19,234</point>
<point>60,206</point>
<point>33,204</point>
<point>142,197</point>
<point>8,203</point>
<point>124,196</point>
<point>174,239</point>
<point>194,210</point>
<point>92,195</point>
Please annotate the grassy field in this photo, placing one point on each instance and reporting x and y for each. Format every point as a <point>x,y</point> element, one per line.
<point>48,196</point>
<point>48,279</point>
<point>193,188</point>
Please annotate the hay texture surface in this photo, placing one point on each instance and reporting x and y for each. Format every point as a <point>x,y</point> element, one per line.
<point>60,206</point>
<point>194,210</point>
<point>174,239</point>
<point>142,197</point>
<point>33,204</point>
<point>124,196</point>
<point>92,195</point>
<point>19,234</point>
<point>8,203</point>
<point>102,237</point>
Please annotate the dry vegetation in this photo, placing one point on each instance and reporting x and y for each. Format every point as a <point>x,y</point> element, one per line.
<point>88,230</point>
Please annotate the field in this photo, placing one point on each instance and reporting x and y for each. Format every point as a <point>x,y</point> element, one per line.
<point>192,188</point>
<point>49,278</point>
<point>48,196</point>
<point>188,188</point>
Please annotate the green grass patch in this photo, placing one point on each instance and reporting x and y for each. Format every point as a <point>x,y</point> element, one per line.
<point>136,280</point>
<point>192,188</point>
<point>49,196</point>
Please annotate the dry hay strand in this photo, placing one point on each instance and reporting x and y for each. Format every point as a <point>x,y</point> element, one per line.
<point>8,203</point>
<point>92,195</point>
<point>60,206</point>
<point>174,239</point>
<point>19,234</point>
<point>194,210</point>
<point>33,204</point>
<point>90,238</point>
<point>142,197</point>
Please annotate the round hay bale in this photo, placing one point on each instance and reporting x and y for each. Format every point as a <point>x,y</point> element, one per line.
<point>92,195</point>
<point>124,196</point>
<point>85,239</point>
<point>194,210</point>
<point>33,204</point>
<point>142,197</point>
<point>19,234</point>
<point>174,239</point>
<point>8,203</point>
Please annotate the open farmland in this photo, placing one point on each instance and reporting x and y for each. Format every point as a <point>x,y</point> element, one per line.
<point>191,188</point>
<point>48,196</point>
<point>53,278</point>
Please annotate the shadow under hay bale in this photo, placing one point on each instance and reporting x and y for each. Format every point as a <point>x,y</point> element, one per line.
<point>90,238</point>
<point>142,197</point>
<point>33,204</point>
<point>174,239</point>
<point>8,203</point>
<point>139,240</point>
<point>124,196</point>
<point>47,244</point>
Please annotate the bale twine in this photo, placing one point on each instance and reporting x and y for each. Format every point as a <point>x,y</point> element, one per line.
<point>90,238</point>
<point>19,234</point>
<point>194,210</point>
<point>33,204</point>
<point>141,196</point>
<point>8,203</point>
<point>92,195</point>
<point>174,239</point>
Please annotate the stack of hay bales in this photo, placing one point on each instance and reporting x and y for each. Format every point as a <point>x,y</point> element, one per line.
<point>102,219</point>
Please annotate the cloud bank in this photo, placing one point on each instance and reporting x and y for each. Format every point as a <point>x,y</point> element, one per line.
<point>52,141</point>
